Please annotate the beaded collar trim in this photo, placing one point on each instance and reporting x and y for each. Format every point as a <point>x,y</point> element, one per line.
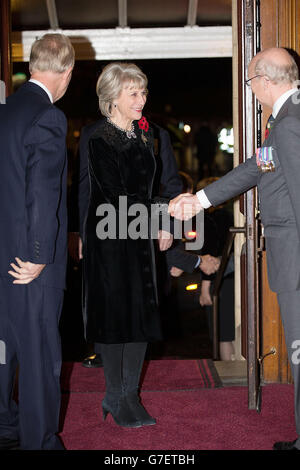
<point>129,133</point>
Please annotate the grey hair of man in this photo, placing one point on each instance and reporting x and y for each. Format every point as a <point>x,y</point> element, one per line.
<point>53,53</point>
<point>278,71</point>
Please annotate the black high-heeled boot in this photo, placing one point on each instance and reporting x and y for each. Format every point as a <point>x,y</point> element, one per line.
<point>133,358</point>
<point>122,413</point>
<point>139,411</point>
<point>115,401</point>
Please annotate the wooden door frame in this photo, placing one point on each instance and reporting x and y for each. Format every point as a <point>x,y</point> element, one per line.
<point>249,124</point>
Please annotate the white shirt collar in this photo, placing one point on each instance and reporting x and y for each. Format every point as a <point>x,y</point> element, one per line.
<point>281,100</point>
<point>42,86</point>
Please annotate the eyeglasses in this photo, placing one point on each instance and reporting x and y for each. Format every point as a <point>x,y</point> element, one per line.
<point>247,82</point>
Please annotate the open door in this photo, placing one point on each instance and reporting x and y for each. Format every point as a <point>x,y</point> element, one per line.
<point>249,139</point>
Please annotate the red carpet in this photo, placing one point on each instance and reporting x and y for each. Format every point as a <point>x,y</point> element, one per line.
<point>157,375</point>
<point>190,417</point>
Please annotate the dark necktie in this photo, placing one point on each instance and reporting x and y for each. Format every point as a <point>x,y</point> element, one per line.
<point>269,126</point>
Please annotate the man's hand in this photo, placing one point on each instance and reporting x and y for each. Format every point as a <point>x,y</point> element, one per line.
<point>25,272</point>
<point>205,297</point>
<point>209,264</point>
<point>175,272</point>
<point>165,240</point>
<point>185,206</point>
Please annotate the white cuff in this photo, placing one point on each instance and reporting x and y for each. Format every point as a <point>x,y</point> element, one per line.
<point>203,199</point>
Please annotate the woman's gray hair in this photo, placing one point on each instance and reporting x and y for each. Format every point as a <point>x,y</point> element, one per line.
<point>278,72</point>
<point>114,77</point>
<point>52,52</point>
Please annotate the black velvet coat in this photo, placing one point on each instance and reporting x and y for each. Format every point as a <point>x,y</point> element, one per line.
<point>120,292</point>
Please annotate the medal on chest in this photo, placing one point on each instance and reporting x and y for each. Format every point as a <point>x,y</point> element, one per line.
<point>265,159</point>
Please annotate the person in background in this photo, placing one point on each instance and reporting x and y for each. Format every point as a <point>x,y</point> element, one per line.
<point>179,260</point>
<point>33,250</point>
<point>217,221</point>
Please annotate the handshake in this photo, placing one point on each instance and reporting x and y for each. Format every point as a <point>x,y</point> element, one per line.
<point>185,206</point>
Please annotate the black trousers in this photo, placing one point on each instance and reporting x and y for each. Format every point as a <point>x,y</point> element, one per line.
<point>289,303</point>
<point>29,336</point>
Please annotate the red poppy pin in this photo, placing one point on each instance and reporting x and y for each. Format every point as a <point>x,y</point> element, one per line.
<point>144,126</point>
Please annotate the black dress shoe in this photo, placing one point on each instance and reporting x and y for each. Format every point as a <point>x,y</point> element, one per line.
<point>285,445</point>
<point>9,444</point>
<point>93,361</point>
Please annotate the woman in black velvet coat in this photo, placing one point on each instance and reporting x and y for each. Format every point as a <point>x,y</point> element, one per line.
<point>121,311</point>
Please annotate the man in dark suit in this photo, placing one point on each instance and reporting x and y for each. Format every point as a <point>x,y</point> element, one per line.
<point>275,169</point>
<point>33,248</point>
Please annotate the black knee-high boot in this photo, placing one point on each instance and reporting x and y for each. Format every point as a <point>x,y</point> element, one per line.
<point>133,358</point>
<point>115,401</point>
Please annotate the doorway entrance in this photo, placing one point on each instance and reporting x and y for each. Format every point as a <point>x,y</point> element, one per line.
<point>174,42</point>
